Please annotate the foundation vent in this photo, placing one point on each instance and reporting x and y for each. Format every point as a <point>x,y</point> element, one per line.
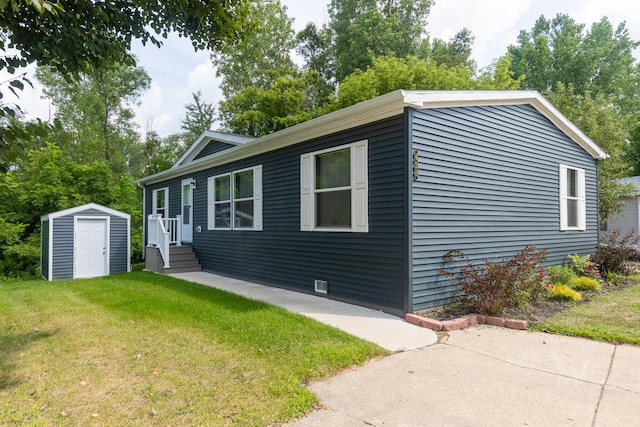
<point>322,286</point>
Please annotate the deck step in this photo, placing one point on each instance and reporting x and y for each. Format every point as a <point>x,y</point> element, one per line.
<point>182,259</point>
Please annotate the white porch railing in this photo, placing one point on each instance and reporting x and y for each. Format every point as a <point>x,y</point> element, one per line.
<point>162,233</point>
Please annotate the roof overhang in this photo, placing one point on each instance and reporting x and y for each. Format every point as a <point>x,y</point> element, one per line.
<point>88,206</point>
<point>382,107</point>
<point>206,137</point>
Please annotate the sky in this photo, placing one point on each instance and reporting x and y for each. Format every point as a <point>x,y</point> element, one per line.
<point>177,71</point>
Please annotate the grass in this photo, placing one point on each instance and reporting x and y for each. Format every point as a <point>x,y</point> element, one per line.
<point>146,349</point>
<point>613,316</point>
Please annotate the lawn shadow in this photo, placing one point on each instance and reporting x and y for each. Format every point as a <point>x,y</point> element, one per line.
<point>11,346</point>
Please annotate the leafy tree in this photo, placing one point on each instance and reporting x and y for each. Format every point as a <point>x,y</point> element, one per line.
<point>251,61</point>
<point>159,154</point>
<point>83,35</point>
<point>257,111</point>
<point>605,123</point>
<point>96,113</point>
<point>314,46</point>
<point>198,118</point>
<point>561,51</point>
<point>456,52</point>
<point>364,29</point>
<point>390,73</point>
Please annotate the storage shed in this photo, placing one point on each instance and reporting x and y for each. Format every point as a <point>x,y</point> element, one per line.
<point>86,241</point>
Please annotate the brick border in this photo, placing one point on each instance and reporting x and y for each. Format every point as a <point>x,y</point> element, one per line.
<point>463,322</point>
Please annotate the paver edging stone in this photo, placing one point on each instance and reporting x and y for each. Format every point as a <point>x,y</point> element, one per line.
<point>463,322</point>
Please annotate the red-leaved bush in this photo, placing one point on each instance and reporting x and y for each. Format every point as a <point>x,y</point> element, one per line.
<point>491,287</point>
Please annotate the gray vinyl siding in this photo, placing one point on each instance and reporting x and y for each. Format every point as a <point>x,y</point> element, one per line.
<point>627,219</point>
<point>212,148</point>
<point>44,249</point>
<point>118,245</point>
<point>367,268</point>
<point>63,240</point>
<point>489,185</point>
<point>62,248</point>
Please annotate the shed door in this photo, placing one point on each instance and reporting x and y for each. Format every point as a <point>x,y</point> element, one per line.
<point>91,247</point>
<point>187,210</point>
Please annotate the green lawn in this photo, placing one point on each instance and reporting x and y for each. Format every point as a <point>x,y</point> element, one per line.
<point>145,349</point>
<point>613,316</point>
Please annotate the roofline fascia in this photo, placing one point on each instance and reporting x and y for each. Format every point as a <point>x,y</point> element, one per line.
<point>380,108</point>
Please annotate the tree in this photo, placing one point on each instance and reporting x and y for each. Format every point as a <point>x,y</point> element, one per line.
<point>390,73</point>
<point>364,29</point>
<point>314,46</point>
<point>199,117</point>
<point>455,52</point>
<point>605,123</point>
<point>251,61</point>
<point>83,35</point>
<point>597,61</point>
<point>95,110</point>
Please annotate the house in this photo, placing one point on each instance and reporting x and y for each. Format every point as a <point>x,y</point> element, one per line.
<point>361,204</point>
<point>629,218</point>
<point>86,241</point>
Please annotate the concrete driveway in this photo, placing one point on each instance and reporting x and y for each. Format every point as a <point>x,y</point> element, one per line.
<point>488,376</point>
<point>479,376</point>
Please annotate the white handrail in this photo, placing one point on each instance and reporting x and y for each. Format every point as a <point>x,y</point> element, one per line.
<point>159,236</point>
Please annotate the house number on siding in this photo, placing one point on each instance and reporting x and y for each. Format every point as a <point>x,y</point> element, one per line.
<point>416,169</point>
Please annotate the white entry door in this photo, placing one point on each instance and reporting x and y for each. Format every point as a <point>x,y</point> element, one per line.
<point>91,247</point>
<point>187,210</point>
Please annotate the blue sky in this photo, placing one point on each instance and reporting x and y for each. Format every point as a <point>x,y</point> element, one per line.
<point>177,70</point>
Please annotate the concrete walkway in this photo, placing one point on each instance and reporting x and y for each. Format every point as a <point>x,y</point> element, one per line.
<point>389,332</point>
<point>488,376</point>
<point>480,376</point>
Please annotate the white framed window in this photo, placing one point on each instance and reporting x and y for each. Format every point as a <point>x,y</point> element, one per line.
<point>334,189</point>
<point>160,201</point>
<point>235,200</point>
<point>573,208</point>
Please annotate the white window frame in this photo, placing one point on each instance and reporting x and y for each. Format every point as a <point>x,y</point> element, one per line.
<point>257,200</point>
<point>359,187</point>
<point>154,201</point>
<point>581,199</point>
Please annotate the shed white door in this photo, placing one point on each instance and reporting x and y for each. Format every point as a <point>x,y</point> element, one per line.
<point>187,210</point>
<point>91,247</point>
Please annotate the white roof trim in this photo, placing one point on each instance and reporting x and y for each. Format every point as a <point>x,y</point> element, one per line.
<point>206,137</point>
<point>382,107</point>
<point>88,206</point>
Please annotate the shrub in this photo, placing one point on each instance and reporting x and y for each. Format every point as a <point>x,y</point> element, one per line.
<point>562,292</point>
<point>495,285</point>
<point>583,266</point>
<point>561,274</point>
<point>585,284</point>
<point>613,251</point>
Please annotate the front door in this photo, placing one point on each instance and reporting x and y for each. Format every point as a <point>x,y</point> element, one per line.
<point>91,247</point>
<point>187,210</point>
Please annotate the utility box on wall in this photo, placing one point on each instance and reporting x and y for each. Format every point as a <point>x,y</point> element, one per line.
<point>85,241</point>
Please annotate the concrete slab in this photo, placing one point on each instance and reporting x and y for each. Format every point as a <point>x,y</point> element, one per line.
<point>577,358</point>
<point>388,331</point>
<point>450,386</point>
<point>488,376</point>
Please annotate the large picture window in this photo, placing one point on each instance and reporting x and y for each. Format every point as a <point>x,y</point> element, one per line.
<point>235,200</point>
<point>572,198</point>
<point>334,193</point>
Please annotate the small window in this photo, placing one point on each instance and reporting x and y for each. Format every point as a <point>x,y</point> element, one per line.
<point>572,198</point>
<point>160,202</point>
<point>334,189</point>
<point>235,200</point>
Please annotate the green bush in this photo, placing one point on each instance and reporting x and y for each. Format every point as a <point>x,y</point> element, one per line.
<point>495,285</point>
<point>583,266</point>
<point>585,284</point>
<point>561,274</point>
<point>562,292</point>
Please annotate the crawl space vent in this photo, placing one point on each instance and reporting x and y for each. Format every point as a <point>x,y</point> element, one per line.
<point>322,286</point>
